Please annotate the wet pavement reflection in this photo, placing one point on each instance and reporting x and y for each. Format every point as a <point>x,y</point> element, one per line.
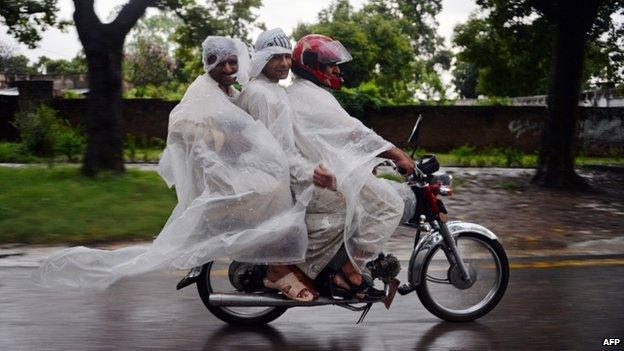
<point>550,308</point>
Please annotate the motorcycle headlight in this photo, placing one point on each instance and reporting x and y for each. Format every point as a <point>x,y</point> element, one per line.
<point>444,179</point>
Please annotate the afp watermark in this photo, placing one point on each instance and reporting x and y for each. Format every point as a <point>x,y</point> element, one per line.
<point>611,341</point>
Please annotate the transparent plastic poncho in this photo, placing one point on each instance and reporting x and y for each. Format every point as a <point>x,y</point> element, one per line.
<point>325,133</point>
<point>232,182</point>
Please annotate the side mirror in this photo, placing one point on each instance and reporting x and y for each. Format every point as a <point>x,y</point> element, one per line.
<point>413,138</point>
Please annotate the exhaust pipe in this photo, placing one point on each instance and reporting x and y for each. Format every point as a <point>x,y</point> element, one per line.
<point>268,300</point>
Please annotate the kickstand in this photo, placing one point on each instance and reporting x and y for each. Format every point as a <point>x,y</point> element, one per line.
<point>364,312</point>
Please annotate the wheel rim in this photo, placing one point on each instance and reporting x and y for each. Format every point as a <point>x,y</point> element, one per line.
<point>219,282</point>
<point>477,254</point>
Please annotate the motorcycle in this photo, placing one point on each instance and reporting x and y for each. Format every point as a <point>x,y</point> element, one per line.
<point>459,270</point>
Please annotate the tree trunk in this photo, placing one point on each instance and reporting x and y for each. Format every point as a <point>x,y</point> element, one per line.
<point>105,143</point>
<point>103,46</point>
<point>556,159</point>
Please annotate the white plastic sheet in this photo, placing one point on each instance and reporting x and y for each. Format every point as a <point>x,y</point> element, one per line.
<point>326,133</point>
<point>232,181</point>
<point>268,102</point>
<point>269,43</point>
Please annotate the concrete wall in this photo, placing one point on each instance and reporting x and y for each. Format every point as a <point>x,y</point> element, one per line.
<point>443,128</point>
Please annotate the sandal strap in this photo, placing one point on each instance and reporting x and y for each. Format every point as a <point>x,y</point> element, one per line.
<point>289,285</point>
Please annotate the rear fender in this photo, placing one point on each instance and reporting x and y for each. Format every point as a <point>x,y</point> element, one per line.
<point>190,278</point>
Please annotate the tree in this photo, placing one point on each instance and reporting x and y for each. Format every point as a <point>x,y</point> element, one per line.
<point>465,79</point>
<point>11,64</point>
<point>233,18</point>
<point>510,59</point>
<point>512,56</point>
<point>388,48</point>
<point>574,25</point>
<point>77,65</point>
<point>103,46</point>
<point>26,19</point>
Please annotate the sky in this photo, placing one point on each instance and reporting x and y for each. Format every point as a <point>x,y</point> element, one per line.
<point>274,13</point>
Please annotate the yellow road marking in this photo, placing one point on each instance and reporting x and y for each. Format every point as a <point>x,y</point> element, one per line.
<point>590,262</point>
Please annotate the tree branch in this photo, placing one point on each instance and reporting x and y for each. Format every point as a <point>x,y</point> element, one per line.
<point>546,7</point>
<point>84,15</point>
<point>129,15</point>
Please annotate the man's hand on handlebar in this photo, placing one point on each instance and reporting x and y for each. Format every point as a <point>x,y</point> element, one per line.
<point>404,163</point>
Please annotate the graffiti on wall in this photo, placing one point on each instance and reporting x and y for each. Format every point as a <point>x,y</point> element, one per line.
<point>521,126</point>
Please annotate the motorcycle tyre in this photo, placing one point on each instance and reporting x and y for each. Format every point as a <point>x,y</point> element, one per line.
<point>204,289</point>
<point>427,301</point>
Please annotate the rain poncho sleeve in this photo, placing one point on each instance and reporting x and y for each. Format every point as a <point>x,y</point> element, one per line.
<point>326,133</point>
<point>233,186</point>
<point>268,102</point>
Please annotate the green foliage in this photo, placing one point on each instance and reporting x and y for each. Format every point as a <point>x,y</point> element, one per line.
<point>15,153</point>
<point>389,48</point>
<point>463,153</point>
<point>26,19</point>
<point>57,205</point>
<point>235,18</point>
<point>44,134</point>
<point>149,148</point>
<point>70,143</point>
<point>510,45</point>
<point>465,79</point>
<point>38,130</point>
<point>11,64</point>
<point>364,97</point>
<point>391,176</point>
<point>77,65</point>
<point>171,91</point>
<point>494,101</point>
<point>68,94</point>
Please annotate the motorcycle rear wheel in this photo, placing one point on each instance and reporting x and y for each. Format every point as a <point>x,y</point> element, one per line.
<point>212,279</point>
<point>482,255</point>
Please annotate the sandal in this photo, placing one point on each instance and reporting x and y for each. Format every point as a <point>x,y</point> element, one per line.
<point>365,291</point>
<point>292,288</point>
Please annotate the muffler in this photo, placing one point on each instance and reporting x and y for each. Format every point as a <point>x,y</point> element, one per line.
<point>269,299</point>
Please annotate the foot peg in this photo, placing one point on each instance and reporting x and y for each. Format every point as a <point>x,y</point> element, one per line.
<point>406,289</point>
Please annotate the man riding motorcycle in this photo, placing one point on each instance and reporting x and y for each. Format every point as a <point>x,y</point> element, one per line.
<point>375,206</point>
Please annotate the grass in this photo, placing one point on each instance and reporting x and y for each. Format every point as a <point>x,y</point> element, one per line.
<point>16,153</point>
<point>467,156</point>
<point>57,205</point>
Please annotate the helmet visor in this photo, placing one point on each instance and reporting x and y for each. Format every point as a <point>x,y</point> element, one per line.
<point>333,52</point>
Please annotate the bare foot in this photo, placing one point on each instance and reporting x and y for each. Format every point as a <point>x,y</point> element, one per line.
<point>354,276</point>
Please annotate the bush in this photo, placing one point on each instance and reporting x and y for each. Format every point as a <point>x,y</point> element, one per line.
<point>357,100</point>
<point>38,129</point>
<point>15,153</point>
<point>463,154</point>
<point>43,134</point>
<point>70,143</point>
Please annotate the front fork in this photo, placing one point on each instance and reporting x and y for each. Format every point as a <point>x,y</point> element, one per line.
<point>451,251</point>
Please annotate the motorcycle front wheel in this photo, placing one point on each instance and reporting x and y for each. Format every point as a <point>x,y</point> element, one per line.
<point>485,259</point>
<point>214,278</point>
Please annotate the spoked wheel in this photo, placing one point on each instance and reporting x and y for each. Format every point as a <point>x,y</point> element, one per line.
<point>214,278</point>
<point>443,292</point>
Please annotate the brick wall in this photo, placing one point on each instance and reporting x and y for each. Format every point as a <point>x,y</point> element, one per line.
<point>443,127</point>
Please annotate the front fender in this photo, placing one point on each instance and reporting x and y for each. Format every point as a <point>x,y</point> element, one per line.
<point>429,242</point>
<point>426,245</point>
<point>456,227</point>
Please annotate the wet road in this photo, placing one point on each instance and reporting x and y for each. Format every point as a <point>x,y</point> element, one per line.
<point>550,305</point>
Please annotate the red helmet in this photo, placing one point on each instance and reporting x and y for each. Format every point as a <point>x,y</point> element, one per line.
<point>314,51</point>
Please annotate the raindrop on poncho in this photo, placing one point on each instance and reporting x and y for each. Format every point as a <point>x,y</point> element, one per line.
<point>232,183</point>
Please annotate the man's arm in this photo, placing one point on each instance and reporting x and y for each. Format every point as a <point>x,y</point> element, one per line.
<point>403,161</point>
